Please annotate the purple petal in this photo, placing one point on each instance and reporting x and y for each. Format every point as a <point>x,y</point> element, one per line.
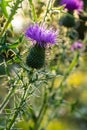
<point>41,35</point>
<point>72,4</point>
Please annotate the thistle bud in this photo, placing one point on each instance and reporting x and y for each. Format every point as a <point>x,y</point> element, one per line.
<point>67,20</point>
<point>36,57</point>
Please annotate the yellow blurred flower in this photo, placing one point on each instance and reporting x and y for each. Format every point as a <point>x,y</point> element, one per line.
<point>76,79</point>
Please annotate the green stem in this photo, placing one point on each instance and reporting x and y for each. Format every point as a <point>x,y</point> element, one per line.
<point>11,16</point>
<point>9,126</point>
<point>72,65</point>
<point>43,109</point>
<point>6,100</point>
<point>42,112</point>
<point>33,10</point>
<point>47,10</point>
<point>13,120</point>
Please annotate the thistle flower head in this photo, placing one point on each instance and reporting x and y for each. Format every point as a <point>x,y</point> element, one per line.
<point>72,5</point>
<point>76,45</point>
<point>41,35</point>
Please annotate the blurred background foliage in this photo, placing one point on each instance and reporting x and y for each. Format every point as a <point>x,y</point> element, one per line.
<point>69,109</point>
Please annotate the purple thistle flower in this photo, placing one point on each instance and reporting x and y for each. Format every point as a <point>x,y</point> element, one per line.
<point>72,5</point>
<point>40,35</point>
<point>77,45</point>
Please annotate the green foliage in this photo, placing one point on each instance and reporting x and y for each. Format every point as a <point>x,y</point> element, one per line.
<point>40,95</point>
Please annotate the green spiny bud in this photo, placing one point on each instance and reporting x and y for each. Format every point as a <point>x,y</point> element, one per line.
<point>67,20</point>
<point>36,57</point>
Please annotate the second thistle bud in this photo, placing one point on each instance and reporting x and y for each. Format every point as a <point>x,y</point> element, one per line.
<point>36,57</point>
<point>67,20</point>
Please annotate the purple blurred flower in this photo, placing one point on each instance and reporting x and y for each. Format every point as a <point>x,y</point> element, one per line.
<point>77,45</point>
<point>72,4</point>
<point>40,35</point>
